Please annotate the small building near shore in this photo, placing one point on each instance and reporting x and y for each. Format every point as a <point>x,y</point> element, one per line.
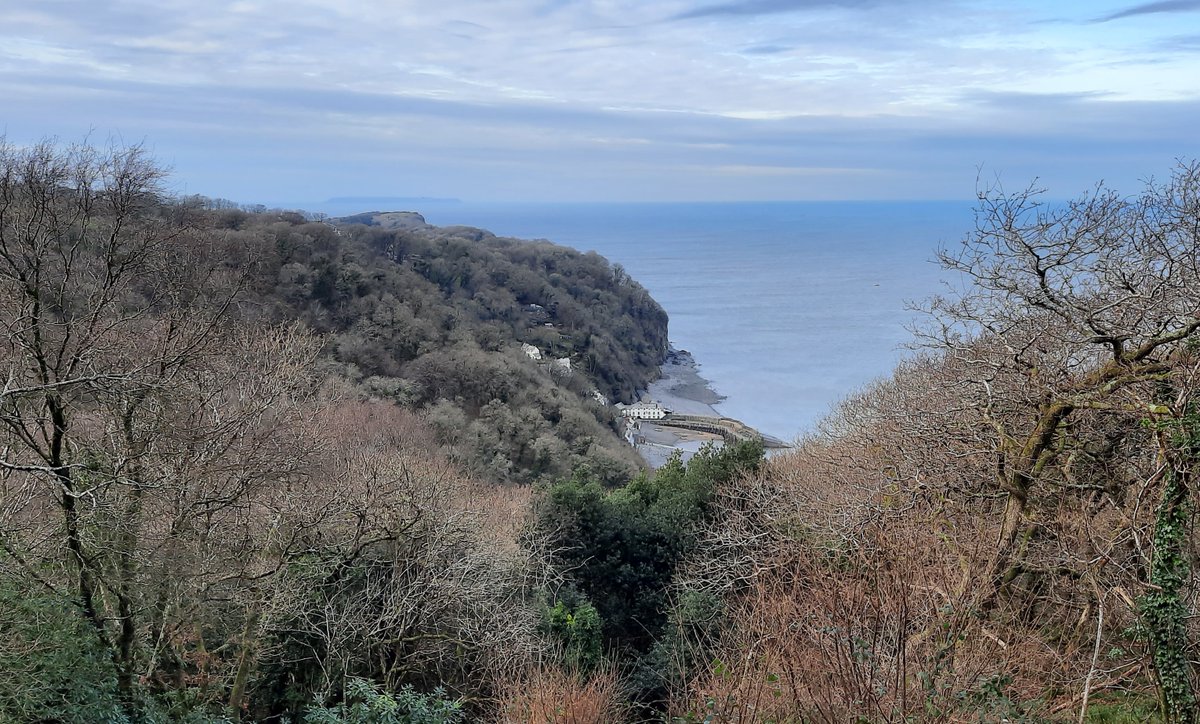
<point>647,410</point>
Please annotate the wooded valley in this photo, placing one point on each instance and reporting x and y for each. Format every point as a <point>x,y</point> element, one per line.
<point>259,466</point>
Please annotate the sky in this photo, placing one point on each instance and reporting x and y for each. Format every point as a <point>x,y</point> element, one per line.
<point>613,100</point>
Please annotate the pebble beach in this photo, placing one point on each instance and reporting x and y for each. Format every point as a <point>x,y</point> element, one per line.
<point>682,389</point>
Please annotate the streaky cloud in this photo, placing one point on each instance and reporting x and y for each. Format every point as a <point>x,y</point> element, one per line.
<point>767,49</point>
<point>1181,44</point>
<point>769,7</point>
<point>1154,8</point>
<point>1020,99</point>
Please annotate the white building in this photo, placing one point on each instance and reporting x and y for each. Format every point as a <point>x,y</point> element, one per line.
<point>648,410</point>
<point>533,352</point>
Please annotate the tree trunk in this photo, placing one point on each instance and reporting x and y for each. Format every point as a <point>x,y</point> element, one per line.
<point>1165,609</point>
<point>245,663</point>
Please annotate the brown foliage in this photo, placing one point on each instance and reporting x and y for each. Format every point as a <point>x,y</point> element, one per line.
<point>551,695</point>
<point>192,485</point>
<point>1000,491</point>
<point>856,570</point>
<point>399,565</point>
<point>883,631</point>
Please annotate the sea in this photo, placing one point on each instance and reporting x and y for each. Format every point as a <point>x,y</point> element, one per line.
<point>787,307</point>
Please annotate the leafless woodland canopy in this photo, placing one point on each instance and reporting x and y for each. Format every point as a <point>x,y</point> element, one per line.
<point>981,529</point>
<point>974,536</point>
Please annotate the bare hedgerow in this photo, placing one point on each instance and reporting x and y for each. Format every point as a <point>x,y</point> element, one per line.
<point>880,633</point>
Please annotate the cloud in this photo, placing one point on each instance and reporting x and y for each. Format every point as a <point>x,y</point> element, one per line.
<point>1013,100</point>
<point>1181,44</point>
<point>767,49</point>
<point>564,99</point>
<point>769,7</point>
<point>1154,8</point>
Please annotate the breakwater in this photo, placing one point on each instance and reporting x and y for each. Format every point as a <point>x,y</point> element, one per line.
<point>729,429</point>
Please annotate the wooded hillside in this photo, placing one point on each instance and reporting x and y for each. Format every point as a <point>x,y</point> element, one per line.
<point>434,319</point>
<point>1004,529</point>
<point>259,467</point>
<point>251,461</point>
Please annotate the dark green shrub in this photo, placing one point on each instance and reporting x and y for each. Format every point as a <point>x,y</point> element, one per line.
<point>366,703</point>
<point>54,668</point>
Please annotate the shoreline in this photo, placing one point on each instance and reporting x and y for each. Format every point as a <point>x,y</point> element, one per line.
<point>681,388</point>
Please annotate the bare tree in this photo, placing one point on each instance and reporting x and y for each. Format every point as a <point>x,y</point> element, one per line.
<point>1001,486</point>
<point>129,409</point>
<point>1074,326</point>
<point>413,572</point>
<point>1065,308</point>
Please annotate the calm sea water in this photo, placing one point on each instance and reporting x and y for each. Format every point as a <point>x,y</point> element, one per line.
<point>787,307</point>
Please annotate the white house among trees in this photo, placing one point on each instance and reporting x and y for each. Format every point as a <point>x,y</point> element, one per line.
<point>648,410</point>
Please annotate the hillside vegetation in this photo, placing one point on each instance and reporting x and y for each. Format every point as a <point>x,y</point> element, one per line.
<point>248,457</point>
<point>1003,530</point>
<point>433,319</point>
<point>258,467</point>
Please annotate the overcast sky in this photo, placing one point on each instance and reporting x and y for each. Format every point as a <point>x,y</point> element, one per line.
<point>623,100</point>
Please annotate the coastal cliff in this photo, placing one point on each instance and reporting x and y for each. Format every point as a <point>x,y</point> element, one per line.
<point>437,320</point>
